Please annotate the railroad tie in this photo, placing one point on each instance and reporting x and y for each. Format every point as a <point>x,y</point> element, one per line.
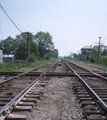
<point>43,84</point>
<point>28,100</point>
<point>32,96</point>
<point>26,104</point>
<point>15,117</point>
<point>96,117</point>
<point>22,108</point>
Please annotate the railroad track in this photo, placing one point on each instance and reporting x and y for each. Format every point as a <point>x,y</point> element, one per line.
<point>19,92</point>
<point>91,92</point>
<point>23,90</point>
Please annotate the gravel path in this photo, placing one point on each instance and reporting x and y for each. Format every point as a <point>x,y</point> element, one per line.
<point>58,102</point>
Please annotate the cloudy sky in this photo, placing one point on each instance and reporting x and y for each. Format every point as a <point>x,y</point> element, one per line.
<point>72,23</point>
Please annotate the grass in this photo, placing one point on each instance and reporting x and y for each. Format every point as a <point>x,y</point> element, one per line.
<point>8,67</point>
<point>98,66</point>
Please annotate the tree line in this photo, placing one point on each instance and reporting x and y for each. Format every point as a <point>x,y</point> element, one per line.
<point>102,59</point>
<point>27,46</point>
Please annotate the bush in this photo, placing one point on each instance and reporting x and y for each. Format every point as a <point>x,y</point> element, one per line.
<point>8,67</point>
<point>32,57</point>
<point>103,60</point>
<point>92,59</point>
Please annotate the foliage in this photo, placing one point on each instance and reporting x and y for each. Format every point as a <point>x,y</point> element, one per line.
<point>32,57</point>
<point>103,60</point>
<point>21,51</point>
<point>92,59</point>
<point>98,66</point>
<point>53,53</point>
<point>45,44</point>
<point>76,56</point>
<point>102,55</point>
<point>8,67</point>
<point>9,45</point>
<point>39,45</point>
<point>93,55</point>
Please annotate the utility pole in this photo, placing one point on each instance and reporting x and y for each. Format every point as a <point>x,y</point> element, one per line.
<point>98,50</point>
<point>27,42</point>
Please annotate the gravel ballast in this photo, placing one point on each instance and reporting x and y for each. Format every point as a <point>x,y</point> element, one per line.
<point>58,102</point>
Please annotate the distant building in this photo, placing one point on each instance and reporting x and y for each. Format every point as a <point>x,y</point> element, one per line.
<point>85,52</point>
<point>71,54</point>
<point>8,58</point>
<point>1,56</point>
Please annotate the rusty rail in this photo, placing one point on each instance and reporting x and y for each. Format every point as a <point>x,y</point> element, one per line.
<point>102,106</point>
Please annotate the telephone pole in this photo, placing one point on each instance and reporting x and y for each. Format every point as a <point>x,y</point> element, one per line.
<point>98,50</point>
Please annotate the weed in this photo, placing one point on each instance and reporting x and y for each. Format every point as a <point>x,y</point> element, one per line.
<point>8,67</point>
<point>98,66</point>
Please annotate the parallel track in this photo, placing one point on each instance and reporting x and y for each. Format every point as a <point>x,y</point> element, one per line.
<point>18,92</point>
<point>91,92</point>
<point>89,87</point>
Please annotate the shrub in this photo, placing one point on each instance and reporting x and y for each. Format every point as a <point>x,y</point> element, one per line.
<point>32,57</point>
<point>103,60</point>
<point>92,59</point>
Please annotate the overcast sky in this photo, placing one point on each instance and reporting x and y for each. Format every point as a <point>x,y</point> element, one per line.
<point>72,23</point>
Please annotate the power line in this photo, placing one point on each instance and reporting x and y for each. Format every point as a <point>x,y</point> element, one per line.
<point>9,17</point>
<point>1,35</point>
<point>102,29</point>
<point>104,38</point>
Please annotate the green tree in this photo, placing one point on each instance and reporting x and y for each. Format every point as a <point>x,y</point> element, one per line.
<point>75,55</point>
<point>94,53</point>
<point>24,36</point>
<point>52,53</point>
<point>9,45</point>
<point>33,47</point>
<point>55,53</point>
<point>21,52</point>
<point>39,45</point>
<point>44,42</point>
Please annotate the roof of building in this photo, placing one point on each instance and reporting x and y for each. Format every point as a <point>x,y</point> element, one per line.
<point>87,47</point>
<point>8,55</point>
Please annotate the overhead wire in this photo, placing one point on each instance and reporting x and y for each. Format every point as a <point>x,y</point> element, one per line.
<point>102,29</point>
<point>1,35</point>
<point>9,17</point>
<point>104,38</point>
<point>103,25</point>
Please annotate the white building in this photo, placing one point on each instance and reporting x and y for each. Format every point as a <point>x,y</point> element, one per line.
<point>1,56</point>
<point>8,58</point>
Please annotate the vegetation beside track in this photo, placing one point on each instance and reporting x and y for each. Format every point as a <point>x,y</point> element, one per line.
<point>8,67</point>
<point>89,64</point>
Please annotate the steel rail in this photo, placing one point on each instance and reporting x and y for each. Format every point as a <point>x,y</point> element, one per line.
<point>89,71</point>
<point>5,109</point>
<point>100,103</point>
<point>19,75</point>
